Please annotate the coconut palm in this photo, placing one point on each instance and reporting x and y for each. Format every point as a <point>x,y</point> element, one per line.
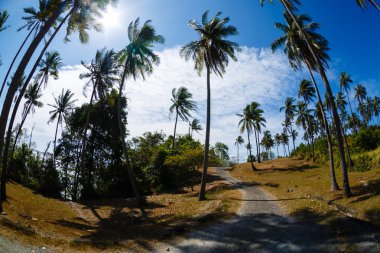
<point>259,122</point>
<point>63,106</point>
<point>376,107</point>
<point>312,52</point>
<point>306,91</point>
<point>137,59</point>
<point>3,18</point>
<point>361,95</point>
<point>211,51</point>
<point>246,124</point>
<point>182,105</point>
<point>285,141</point>
<point>277,141</point>
<point>194,125</point>
<point>239,140</point>
<point>289,110</point>
<point>102,74</point>
<point>267,142</point>
<point>32,96</point>
<point>344,84</point>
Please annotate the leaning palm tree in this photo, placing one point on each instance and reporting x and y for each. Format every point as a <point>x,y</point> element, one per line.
<point>194,125</point>
<point>239,140</point>
<point>211,51</point>
<point>63,106</point>
<point>246,124</point>
<point>137,59</point>
<point>300,50</point>
<point>182,105</point>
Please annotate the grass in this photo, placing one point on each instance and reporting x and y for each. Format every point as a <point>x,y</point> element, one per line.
<point>113,224</point>
<point>302,184</point>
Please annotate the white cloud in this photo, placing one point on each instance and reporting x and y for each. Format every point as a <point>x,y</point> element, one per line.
<point>258,76</point>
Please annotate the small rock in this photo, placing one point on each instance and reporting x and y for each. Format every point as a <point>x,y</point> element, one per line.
<point>34,219</point>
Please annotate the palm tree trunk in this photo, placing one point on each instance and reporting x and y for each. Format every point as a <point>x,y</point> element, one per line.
<point>55,137</point>
<point>250,152</point>
<point>175,127</point>
<point>202,192</point>
<point>291,133</point>
<point>238,160</point>
<point>346,184</point>
<point>257,147</point>
<point>334,184</point>
<point>277,151</point>
<point>14,59</point>
<point>131,173</point>
<point>284,149</point>
<point>16,80</point>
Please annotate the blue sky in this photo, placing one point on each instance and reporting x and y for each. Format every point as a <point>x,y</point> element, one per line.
<point>352,32</point>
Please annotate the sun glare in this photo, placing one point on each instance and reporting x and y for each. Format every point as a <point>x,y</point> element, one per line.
<point>110,18</point>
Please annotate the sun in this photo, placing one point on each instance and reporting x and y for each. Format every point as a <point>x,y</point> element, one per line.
<point>110,18</point>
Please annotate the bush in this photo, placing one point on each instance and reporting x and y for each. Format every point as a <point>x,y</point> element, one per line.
<point>367,139</point>
<point>362,163</point>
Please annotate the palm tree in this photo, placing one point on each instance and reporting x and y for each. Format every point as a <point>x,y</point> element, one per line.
<point>211,51</point>
<point>3,18</point>
<point>182,105</point>
<point>306,91</point>
<point>194,125</point>
<point>102,73</point>
<point>289,110</point>
<point>303,44</point>
<point>376,107</point>
<point>137,59</point>
<point>239,140</point>
<point>303,119</point>
<point>360,95</point>
<point>246,123</point>
<point>267,142</point>
<point>259,121</point>
<point>284,140</point>
<point>277,141</point>
<point>32,96</point>
<point>64,104</point>
<point>344,84</point>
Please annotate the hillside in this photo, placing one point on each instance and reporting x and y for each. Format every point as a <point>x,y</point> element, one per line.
<point>110,224</point>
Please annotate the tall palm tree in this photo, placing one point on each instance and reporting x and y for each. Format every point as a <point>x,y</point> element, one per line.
<point>376,108</point>
<point>32,96</point>
<point>239,140</point>
<point>267,142</point>
<point>361,95</point>
<point>289,110</point>
<point>303,45</point>
<point>194,125</point>
<point>102,74</point>
<point>211,51</point>
<point>259,121</point>
<point>344,84</point>
<point>304,118</point>
<point>63,106</point>
<point>277,141</point>
<point>182,105</point>
<point>137,59</point>
<point>306,91</point>
<point>246,124</point>
<point>284,140</point>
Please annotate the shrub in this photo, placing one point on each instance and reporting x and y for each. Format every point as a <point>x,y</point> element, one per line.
<point>362,163</point>
<point>367,139</point>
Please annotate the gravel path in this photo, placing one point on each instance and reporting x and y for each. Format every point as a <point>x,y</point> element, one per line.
<point>261,226</point>
<point>8,246</point>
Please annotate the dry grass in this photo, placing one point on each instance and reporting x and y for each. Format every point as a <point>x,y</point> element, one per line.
<point>111,225</point>
<point>302,184</point>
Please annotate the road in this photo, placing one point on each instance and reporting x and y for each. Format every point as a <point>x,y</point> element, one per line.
<point>262,226</point>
